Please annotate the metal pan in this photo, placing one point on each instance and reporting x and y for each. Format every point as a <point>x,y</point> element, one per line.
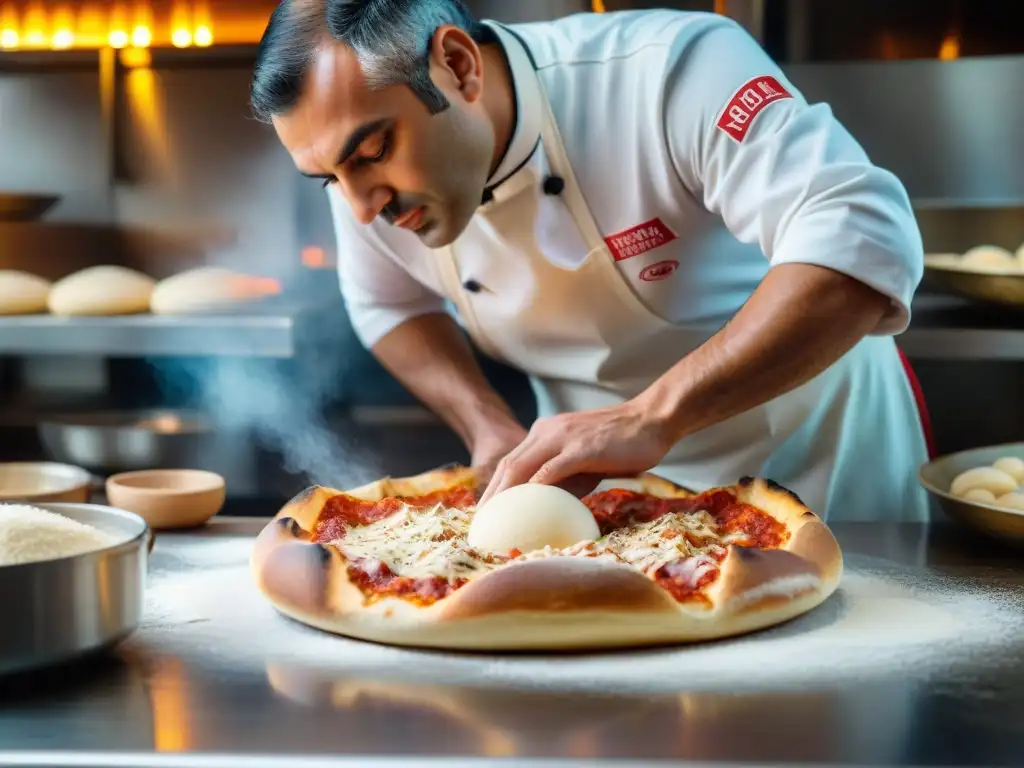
<point>56,611</point>
<point>997,522</point>
<point>18,207</point>
<point>125,441</point>
<point>1000,289</point>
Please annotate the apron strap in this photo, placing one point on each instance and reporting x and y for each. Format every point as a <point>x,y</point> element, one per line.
<point>922,405</point>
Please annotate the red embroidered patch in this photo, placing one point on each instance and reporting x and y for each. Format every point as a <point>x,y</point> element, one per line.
<point>659,271</point>
<point>639,239</point>
<point>753,96</point>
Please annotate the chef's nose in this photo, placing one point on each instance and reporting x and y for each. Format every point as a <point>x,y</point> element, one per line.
<point>367,202</point>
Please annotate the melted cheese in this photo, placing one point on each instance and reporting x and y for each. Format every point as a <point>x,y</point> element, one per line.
<point>417,543</point>
<point>431,542</point>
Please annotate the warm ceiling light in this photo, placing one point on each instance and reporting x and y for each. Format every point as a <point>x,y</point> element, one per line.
<point>35,38</point>
<point>9,38</point>
<point>203,36</point>
<point>62,38</point>
<point>950,48</point>
<point>181,38</point>
<point>135,58</point>
<point>141,37</point>
<point>118,38</point>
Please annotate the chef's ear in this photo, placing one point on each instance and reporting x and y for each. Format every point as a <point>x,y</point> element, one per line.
<point>460,61</point>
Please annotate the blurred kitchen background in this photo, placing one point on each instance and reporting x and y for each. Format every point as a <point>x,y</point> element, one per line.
<point>125,138</point>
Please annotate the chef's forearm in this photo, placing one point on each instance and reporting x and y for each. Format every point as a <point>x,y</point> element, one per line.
<point>431,357</point>
<point>800,320</point>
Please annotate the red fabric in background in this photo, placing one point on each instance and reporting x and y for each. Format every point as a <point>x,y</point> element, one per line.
<point>922,406</point>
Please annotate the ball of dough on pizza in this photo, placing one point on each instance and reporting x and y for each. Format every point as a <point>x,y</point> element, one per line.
<point>1012,466</point>
<point>22,293</point>
<point>988,478</point>
<point>102,290</point>
<point>980,495</point>
<point>530,517</point>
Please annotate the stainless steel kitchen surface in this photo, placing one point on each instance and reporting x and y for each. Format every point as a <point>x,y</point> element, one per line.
<point>918,659</point>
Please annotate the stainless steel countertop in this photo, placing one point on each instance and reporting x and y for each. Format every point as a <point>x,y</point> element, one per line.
<point>146,705</point>
<point>942,328</point>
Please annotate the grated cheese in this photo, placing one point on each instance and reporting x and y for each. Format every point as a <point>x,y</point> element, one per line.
<point>30,534</point>
<point>432,542</point>
<point>418,543</point>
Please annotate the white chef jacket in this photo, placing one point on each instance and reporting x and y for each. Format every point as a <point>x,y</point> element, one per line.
<point>698,186</point>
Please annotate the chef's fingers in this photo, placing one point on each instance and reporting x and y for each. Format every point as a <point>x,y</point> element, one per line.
<point>559,467</point>
<point>519,466</point>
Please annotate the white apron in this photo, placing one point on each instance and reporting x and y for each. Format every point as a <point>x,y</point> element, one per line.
<point>848,442</point>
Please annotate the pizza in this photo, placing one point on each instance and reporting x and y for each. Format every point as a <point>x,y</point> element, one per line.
<point>390,562</point>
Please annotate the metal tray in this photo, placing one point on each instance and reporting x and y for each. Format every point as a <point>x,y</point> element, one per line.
<point>127,440</point>
<point>58,610</point>
<point>1000,289</point>
<point>996,522</point>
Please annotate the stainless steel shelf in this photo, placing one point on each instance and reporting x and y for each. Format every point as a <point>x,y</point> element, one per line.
<point>242,335</point>
<point>943,328</point>
<point>947,328</point>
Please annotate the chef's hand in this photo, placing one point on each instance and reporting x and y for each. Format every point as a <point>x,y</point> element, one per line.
<point>577,450</point>
<point>492,447</point>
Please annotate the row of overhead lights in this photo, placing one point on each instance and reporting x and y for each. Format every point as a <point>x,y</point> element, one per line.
<point>95,25</point>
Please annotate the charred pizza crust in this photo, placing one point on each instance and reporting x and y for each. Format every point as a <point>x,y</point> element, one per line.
<point>555,603</point>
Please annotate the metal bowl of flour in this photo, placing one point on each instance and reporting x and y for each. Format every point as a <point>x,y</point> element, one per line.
<point>58,610</point>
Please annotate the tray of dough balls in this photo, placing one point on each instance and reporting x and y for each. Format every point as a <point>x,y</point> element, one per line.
<point>982,488</point>
<point>987,274</point>
<point>72,581</point>
<point>109,290</point>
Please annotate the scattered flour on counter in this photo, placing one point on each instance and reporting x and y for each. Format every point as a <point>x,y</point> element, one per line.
<point>883,619</point>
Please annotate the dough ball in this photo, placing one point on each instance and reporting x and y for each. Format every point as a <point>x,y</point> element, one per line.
<point>103,290</point>
<point>989,258</point>
<point>530,517</point>
<point>980,495</point>
<point>1012,466</point>
<point>988,478</point>
<point>950,260</point>
<point>22,293</point>
<point>206,289</point>
<point>1013,500</point>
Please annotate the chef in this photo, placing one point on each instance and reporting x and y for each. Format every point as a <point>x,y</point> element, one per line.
<point>590,199</point>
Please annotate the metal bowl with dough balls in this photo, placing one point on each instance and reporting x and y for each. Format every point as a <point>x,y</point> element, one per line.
<point>982,488</point>
<point>72,582</point>
<point>104,290</point>
<point>986,274</point>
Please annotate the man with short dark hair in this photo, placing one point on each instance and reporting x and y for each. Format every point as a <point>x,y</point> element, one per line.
<point>586,196</point>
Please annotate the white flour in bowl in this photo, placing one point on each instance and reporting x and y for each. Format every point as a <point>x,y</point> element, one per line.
<point>883,620</point>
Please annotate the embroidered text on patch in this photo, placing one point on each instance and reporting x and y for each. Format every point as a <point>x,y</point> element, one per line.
<point>753,96</point>
<point>639,239</point>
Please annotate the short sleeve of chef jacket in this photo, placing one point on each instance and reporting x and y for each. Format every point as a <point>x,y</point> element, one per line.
<point>379,292</point>
<point>790,178</point>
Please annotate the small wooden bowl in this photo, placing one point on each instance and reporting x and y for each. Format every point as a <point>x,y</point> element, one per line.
<point>28,482</point>
<point>168,498</point>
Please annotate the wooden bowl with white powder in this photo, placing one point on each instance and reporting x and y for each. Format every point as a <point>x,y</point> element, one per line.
<point>72,580</point>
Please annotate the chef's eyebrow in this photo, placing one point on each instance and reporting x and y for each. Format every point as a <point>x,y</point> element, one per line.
<point>355,139</point>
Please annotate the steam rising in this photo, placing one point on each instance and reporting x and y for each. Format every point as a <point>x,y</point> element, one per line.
<point>281,404</point>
